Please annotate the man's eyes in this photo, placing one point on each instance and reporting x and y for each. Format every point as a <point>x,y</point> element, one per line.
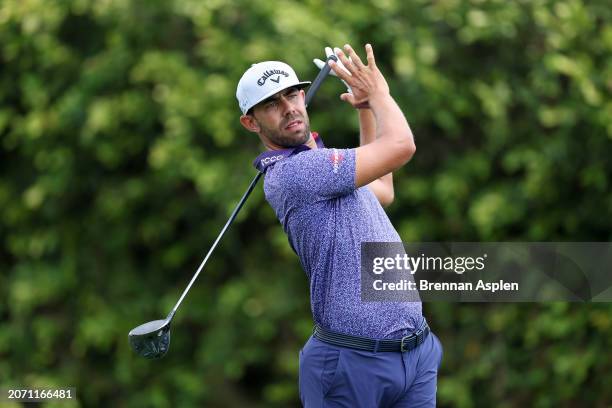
<point>274,102</point>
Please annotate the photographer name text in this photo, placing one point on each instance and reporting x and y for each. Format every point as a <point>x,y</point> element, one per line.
<point>425,285</point>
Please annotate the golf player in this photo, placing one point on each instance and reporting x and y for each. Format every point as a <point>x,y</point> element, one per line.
<point>329,201</point>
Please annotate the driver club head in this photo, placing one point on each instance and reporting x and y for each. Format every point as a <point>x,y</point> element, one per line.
<point>151,340</point>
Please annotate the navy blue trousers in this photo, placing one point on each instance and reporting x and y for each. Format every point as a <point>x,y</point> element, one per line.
<point>332,376</point>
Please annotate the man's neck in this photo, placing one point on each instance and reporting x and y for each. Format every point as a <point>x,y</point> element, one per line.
<point>311,142</point>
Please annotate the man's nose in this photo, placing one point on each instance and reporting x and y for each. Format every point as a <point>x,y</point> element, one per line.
<point>286,105</point>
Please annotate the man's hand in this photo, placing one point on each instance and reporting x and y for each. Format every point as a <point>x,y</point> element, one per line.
<point>366,81</point>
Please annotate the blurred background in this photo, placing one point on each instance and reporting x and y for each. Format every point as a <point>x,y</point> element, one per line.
<point>121,158</point>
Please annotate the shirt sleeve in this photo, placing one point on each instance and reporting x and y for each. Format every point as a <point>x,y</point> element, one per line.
<point>320,174</point>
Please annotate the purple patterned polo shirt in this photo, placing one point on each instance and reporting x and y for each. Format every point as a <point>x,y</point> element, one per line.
<point>326,218</point>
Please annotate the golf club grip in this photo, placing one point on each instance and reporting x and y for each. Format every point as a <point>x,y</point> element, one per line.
<point>312,90</point>
<point>214,245</point>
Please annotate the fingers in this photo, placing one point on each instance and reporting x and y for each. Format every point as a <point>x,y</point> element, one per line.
<point>340,71</point>
<point>354,58</point>
<point>370,55</point>
<point>338,50</point>
<point>348,97</point>
<point>345,63</point>
<point>351,61</point>
<point>349,66</point>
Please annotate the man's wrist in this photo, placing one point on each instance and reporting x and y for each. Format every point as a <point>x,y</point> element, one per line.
<point>380,96</point>
<point>380,100</point>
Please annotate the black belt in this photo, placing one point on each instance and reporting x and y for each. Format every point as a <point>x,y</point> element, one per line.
<point>404,344</point>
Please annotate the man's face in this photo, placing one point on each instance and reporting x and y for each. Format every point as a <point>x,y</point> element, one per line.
<point>282,118</point>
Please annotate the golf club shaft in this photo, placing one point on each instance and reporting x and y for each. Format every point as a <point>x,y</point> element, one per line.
<point>214,245</point>
<point>312,90</point>
<point>309,95</point>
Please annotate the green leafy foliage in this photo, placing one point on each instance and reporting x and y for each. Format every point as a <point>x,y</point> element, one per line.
<point>122,156</point>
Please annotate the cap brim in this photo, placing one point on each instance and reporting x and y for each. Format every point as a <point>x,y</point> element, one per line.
<point>300,85</point>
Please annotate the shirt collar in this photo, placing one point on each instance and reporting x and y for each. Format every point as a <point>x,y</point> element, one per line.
<point>271,157</point>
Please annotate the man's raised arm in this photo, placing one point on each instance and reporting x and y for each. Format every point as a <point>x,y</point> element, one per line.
<point>394,144</point>
<point>381,187</point>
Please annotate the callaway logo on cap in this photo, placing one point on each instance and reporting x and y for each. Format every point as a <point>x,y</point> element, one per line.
<point>263,80</point>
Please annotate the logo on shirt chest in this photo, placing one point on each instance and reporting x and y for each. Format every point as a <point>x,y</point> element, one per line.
<point>272,159</point>
<point>336,158</point>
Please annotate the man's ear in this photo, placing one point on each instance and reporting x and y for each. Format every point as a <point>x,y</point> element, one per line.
<point>250,123</point>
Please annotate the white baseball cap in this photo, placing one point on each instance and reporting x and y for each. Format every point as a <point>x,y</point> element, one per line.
<point>263,80</point>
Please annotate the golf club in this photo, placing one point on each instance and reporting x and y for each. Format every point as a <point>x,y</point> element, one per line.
<point>152,340</point>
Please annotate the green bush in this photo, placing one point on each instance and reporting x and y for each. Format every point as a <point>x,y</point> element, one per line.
<point>122,156</point>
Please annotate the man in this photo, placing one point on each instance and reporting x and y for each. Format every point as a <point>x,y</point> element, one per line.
<point>362,354</point>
